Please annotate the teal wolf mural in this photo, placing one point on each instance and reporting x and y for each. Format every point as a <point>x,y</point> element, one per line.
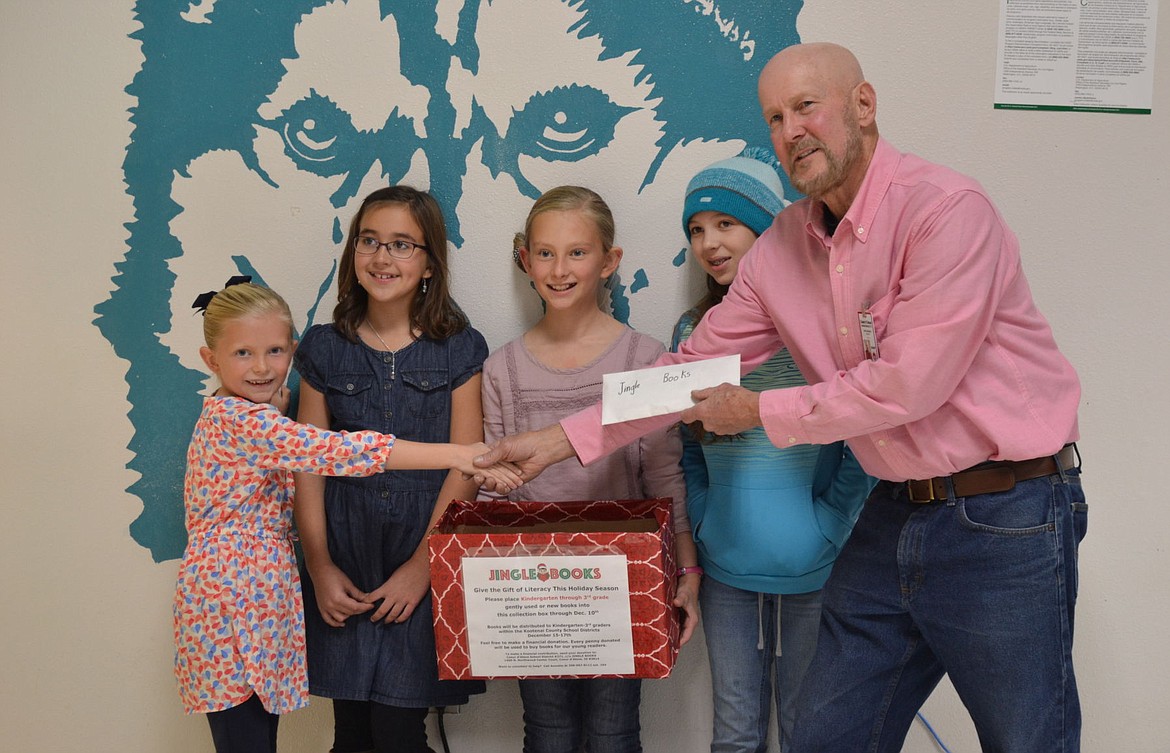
<point>259,124</point>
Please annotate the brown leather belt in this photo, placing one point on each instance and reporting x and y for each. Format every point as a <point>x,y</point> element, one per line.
<point>990,477</point>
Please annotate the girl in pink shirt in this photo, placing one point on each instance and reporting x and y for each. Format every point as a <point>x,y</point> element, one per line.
<point>555,369</point>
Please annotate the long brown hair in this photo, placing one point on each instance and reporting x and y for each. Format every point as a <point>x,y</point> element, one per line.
<point>715,293</point>
<point>434,312</point>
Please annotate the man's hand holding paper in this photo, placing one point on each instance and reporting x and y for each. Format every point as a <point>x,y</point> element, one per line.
<point>725,409</point>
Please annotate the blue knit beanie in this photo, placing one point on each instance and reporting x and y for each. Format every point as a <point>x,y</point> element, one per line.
<point>746,187</point>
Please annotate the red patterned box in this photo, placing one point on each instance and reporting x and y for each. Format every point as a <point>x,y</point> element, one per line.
<point>639,529</point>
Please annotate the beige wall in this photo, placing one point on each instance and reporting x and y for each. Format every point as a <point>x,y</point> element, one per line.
<point>85,643</point>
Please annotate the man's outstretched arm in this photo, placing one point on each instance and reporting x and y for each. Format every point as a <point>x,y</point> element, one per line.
<point>724,409</point>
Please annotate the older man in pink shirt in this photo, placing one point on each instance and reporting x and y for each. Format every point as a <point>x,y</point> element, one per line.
<point>897,287</point>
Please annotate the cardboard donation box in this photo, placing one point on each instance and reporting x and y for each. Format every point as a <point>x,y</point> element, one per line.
<point>565,589</point>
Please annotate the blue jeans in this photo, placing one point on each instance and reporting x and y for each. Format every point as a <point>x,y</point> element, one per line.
<point>602,714</point>
<point>740,628</point>
<point>981,588</point>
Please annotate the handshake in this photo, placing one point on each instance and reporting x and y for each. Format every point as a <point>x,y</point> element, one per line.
<point>514,460</point>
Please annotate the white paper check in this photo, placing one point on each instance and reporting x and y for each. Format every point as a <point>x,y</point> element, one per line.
<point>626,395</point>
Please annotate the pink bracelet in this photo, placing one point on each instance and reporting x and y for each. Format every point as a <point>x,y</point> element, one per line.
<point>685,570</point>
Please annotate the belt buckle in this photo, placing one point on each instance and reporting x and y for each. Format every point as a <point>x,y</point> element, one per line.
<point>925,487</point>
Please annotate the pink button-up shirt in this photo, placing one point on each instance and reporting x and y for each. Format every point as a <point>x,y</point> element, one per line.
<point>967,369</point>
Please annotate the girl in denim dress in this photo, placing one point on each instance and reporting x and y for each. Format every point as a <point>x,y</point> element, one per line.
<point>398,358</point>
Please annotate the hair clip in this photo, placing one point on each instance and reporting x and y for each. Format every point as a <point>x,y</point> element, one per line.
<point>203,300</point>
<point>519,240</point>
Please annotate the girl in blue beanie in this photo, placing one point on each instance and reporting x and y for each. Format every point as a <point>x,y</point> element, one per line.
<point>768,523</point>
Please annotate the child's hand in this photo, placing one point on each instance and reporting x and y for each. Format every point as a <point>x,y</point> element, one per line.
<point>504,476</point>
<point>401,592</point>
<point>687,599</point>
<point>337,597</point>
<point>280,399</point>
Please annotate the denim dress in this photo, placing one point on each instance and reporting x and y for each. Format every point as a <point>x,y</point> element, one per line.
<point>374,524</point>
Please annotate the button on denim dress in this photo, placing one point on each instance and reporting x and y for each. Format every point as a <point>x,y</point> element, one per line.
<point>374,524</point>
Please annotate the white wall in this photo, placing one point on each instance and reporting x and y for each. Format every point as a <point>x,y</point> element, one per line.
<point>85,642</point>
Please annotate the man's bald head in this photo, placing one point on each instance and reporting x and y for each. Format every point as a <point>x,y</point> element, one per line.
<point>828,62</point>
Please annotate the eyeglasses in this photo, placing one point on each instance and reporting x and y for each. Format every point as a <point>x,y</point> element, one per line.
<point>398,248</point>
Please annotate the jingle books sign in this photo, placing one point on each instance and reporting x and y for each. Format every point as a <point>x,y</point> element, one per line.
<point>548,615</point>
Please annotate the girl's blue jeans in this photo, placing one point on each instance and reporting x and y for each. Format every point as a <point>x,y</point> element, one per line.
<point>562,715</point>
<point>746,674</point>
<point>981,588</point>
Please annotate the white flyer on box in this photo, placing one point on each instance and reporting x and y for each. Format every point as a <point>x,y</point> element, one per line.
<point>642,393</point>
<point>553,615</point>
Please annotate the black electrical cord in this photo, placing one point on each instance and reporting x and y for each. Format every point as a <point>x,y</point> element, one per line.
<point>442,728</point>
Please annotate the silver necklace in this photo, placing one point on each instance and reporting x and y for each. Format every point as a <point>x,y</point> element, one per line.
<point>393,352</point>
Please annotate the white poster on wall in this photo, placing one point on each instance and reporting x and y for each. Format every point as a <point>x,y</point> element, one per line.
<point>1076,55</point>
<point>551,615</point>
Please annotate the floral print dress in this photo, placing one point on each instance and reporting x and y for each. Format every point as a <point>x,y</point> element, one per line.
<point>239,621</point>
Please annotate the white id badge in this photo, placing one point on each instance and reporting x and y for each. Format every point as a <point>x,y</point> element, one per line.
<point>869,341</point>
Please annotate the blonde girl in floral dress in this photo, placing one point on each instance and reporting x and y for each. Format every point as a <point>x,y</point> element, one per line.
<point>239,624</point>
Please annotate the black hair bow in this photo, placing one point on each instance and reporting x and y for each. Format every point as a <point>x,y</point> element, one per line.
<point>203,300</point>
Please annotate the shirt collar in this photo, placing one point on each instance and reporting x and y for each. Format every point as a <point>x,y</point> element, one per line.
<point>858,220</point>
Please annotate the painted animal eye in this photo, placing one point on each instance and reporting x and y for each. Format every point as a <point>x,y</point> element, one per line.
<point>564,124</point>
<point>567,124</point>
<point>318,136</point>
